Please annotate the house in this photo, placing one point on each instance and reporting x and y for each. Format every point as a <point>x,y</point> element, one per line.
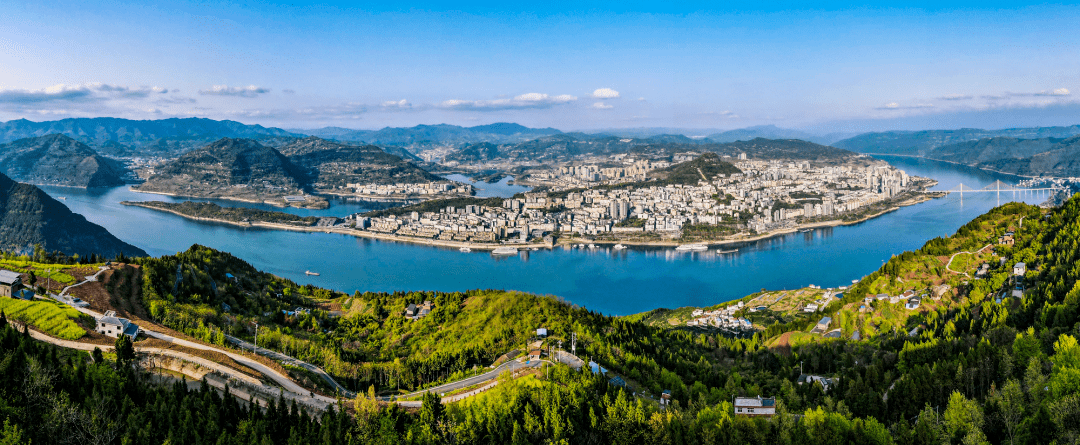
<point>617,381</point>
<point>1018,289</point>
<point>1007,239</point>
<point>983,271</point>
<point>810,308</point>
<point>826,382</point>
<point>913,303</point>
<point>113,326</point>
<point>535,354</point>
<point>822,325</point>
<point>596,368</point>
<point>23,294</point>
<point>755,406</point>
<point>1020,269</point>
<point>940,290</point>
<point>541,332</point>
<point>10,283</point>
<point>665,398</point>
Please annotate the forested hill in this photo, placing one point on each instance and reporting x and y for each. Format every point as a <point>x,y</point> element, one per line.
<point>125,137</point>
<point>56,159</point>
<point>975,370</point>
<point>704,168</point>
<point>29,217</point>
<point>919,143</point>
<point>1029,157</point>
<point>332,165</point>
<point>229,168</point>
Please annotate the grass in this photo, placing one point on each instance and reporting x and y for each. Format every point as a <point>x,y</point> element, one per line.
<point>49,317</point>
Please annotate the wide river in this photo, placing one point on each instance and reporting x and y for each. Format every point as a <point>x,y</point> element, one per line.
<point>608,281</point>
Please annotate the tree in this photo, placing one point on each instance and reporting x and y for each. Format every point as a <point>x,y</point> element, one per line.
<point>97,356</point>
<point>1010,404</point>
<point>125,352</point>
<point>964,420</point>
<point>12,435</point>
<point>31,278</point>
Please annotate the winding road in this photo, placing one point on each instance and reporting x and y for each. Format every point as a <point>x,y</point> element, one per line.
<point>947,265</point>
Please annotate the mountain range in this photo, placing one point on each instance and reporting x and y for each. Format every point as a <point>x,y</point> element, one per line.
<point>126,137</point>
<point>566,146</point>
<point>248,170</point>
<point>1059,157</point>
<point>442,134</point>
<point>919,143</point>
<point>29,217</point>
<point>57,159</point>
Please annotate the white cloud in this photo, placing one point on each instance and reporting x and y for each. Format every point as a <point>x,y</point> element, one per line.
<point>85,93</point>
<point>524,101</point>
<point>1057,92</point>
<point>602,106</point>
<point>397,104</point>
<point>956,97</point>
<point>893,106</point>
<point>605,93</point>
<point>225,90</point>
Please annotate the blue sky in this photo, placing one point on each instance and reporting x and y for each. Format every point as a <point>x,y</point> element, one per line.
<point>832,67</point>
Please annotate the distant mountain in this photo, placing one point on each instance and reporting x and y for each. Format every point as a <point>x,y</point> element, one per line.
<point>59,160</point>
<point>234,168</point>
<point>138,137</point>
<point>29,216</point>
<point>427,135</point>
<point>770,132</point>
<point>762,148</point>
<point>1029,157</point>
<point>569,146</point>
<point>332,164</point>
<point>919,143</point>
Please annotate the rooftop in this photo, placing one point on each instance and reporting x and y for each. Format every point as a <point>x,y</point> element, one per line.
<point>8,277</point>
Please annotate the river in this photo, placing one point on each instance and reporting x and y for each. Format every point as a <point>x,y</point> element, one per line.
<point>612,282</point>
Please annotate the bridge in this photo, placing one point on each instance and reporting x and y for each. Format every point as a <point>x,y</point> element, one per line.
<point>999,188</point>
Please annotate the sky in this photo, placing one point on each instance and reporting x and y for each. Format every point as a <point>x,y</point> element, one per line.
<point>832,67</point>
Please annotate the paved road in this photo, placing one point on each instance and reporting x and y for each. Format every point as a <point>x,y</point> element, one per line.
<point>511,365</point>
<point>225,370</point>
<point>292,361</point>
<point>284,381</point>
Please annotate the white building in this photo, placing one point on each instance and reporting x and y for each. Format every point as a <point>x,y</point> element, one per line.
<point>1020,269</point>
<point>113,326</point>
<point>755,406</point>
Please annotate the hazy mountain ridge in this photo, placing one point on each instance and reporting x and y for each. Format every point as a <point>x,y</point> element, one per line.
<point>162,136</point>
<point>29,216</point>
<point>57,159</point>
<point>441,134</point>
<point>920,143</point>
<point>565,146</point>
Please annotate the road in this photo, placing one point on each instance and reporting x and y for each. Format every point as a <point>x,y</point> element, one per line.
<point>958,253</point>
<point>292,361</point>
<point>285,382</point>
<point>511,365</point>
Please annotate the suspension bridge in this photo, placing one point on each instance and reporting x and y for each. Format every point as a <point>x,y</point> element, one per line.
<point>999,187</point>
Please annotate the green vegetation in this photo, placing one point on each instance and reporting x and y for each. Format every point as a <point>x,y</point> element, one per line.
<point>210,210</point>
<point>704,168</point>
<point>631,222</point>
<point>975,372</point>
<point>47,316</point>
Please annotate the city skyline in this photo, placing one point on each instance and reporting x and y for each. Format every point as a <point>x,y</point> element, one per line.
<point>835,68</point>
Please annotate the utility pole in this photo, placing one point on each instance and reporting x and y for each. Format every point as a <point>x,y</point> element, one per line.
<point>255,349</point>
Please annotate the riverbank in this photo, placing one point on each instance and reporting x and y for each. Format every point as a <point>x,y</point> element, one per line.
<point>567,241</point>
<point>318,203</point>
<point>744,238</point>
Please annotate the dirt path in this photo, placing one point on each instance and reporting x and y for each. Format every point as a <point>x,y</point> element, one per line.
<point>949,264</point>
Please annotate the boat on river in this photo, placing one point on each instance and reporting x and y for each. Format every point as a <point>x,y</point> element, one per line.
<point>308,272</point>
<point>505,251</point>
<point>696,247</point>
<point>465,249</point>
<point>619,247</point>
<point>727,251</point>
